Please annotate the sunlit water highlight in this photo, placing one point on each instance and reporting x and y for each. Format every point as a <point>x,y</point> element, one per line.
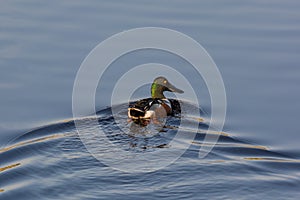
<point>52,162</point>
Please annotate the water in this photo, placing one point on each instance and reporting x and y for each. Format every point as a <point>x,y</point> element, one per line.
<point>51,162</point>
<point>255,44</point>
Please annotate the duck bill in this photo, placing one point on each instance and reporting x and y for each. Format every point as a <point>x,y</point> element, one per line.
<point>172,88</point>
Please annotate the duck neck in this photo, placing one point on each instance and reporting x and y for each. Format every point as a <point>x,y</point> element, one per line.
<point>157,91</point>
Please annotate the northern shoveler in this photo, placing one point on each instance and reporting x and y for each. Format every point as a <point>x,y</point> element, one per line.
<point>158,106</point>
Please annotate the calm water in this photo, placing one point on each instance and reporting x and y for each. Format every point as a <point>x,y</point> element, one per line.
<point>256,46</point>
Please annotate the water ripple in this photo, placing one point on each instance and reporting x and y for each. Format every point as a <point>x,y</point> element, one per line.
<point>55,154</point>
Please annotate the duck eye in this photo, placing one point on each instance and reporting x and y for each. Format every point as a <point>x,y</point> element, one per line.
<point>165,81</point>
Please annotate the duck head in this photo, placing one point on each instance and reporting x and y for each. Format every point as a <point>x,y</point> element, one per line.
<point>160,85</point>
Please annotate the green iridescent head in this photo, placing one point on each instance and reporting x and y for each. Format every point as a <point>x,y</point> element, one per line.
<point>161,84</point>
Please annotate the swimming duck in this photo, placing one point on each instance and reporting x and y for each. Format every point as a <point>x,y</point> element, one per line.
<point>142,111</point>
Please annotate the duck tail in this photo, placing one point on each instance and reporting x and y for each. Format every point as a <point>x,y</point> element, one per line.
<point>136,113</point>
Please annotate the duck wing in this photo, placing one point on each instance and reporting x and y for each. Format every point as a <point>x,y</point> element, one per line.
<point>139,108</point>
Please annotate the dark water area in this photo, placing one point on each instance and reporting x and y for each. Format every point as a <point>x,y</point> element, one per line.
<point>51,162</point>
<point>256,46</point>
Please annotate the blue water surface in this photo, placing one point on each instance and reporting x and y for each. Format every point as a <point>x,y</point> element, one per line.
<point>256,46</point>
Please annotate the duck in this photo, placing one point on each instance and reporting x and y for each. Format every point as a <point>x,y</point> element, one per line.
<point>158,106</point>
